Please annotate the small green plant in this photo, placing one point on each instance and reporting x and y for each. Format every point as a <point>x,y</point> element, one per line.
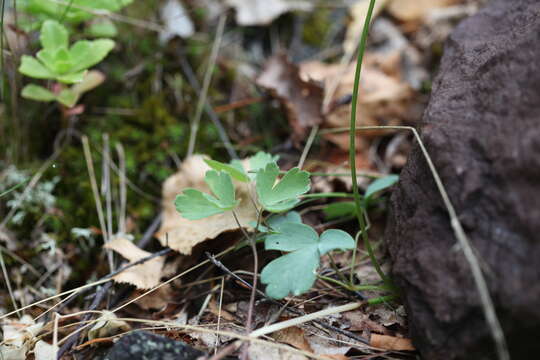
<point>73,12</point>
<point>64,64</point>
<point>294,272</point>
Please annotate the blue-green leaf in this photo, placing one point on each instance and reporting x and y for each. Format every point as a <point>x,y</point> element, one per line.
<point>221,185</point>
<point>259,161</point>
<point>193,204</point>
<point>295,272</point>
<point>283,195</point>
<point>334,239</point>
<point>379,185</point>
<point>292,273</point>
<point>340,209</point>
<point>291,237</point>
<point>231,169</point>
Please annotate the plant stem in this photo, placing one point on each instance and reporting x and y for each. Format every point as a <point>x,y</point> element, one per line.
<point>352,147</point>
<point>327,195</point>
<point>255,273</point>
<point>382,299</point>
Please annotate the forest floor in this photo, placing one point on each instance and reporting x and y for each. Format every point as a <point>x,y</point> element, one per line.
<point>92,246</point>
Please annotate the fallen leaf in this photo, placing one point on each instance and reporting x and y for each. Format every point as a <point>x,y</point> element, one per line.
<point>263,12</point>
<point>302,98</point>
<point>144,276</point>
<point>391,343</point>
<point>360,321</point>
<point>19,337</point>
<point>45,351</point>
<point>358,12</point>
<point>224,314</point>
<point>414,10</point>
<point>156,300</point>
<point>181,234</point>
<point>388,316</point>
<point>258,351</point>
<point>107,325</point>
<point>176,21</point>
<point>383,98</point>
<point>293,336</point>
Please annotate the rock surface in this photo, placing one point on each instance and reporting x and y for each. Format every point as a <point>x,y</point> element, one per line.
<point>148,346</point>
<point>482,129</point>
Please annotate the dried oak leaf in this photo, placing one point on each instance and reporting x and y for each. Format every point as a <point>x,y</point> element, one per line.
<point>415,10</point>
<point>391,343</point>
<point>293,336</point>
<point>358,12</point>
<point>384,98</point>
<point>263,12</point>
<point>259,351</point>
<point>302,98</point>
<point>183,235</point>
<point>143,276</point>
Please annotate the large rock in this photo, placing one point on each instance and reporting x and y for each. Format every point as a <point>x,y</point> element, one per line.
<point>482,129</point>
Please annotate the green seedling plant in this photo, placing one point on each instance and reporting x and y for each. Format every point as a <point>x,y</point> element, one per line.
<point>295,272</point>
<point>64,64</point>
<point>74,12</point>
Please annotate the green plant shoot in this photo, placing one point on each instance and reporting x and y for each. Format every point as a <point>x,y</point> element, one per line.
<point>62,63</point>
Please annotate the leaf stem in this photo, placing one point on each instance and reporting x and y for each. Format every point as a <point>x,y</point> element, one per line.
<point>352,147</point>
<point>255,273</point>
<point>327,195</point>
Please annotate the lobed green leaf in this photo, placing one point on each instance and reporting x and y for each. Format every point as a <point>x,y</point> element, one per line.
<point>283,195</point>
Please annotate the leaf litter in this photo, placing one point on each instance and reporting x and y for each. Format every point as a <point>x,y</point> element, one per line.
<point>391,82</point>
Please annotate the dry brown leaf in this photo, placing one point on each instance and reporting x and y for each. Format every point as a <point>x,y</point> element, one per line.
<point>258,351</point>
<point>391,343</point>
<point>414,10</point>
<point>263,12</point>
<point>293,336</point>
<point>224,314</point>
<point>383,97</point>
<point>143,276</point>
<point>108,324</point>
<point>156,300</point>
<point>388,316</point>
<point>324,346</point>
<point>358,12</point>
<point>183,235</point>
<point>301,97</point>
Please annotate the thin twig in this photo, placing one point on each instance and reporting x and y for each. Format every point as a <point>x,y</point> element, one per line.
<point>309,143</point>
<point>101,294</point>
<point>8,284</point>
<point>194,83</point>
<point>206,84</point>
<point>255,276</point>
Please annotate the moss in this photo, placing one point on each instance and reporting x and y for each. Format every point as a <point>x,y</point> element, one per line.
<point>316,27</point>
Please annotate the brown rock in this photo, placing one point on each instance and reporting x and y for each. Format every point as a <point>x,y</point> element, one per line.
<point>482,129</point>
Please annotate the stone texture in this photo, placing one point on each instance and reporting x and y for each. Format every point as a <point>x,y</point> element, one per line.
<point>482,129</point>
<point>148,346</point>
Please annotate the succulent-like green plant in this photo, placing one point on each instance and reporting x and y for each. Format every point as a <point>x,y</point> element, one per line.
<point>71,11</point>
<point>65,64</point>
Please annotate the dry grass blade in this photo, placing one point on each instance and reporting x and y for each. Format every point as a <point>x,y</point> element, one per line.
<point>206,84</point>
